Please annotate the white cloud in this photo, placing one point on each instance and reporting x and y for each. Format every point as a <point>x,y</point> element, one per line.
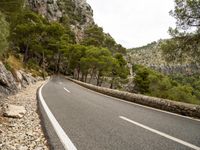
<point>134,22</point>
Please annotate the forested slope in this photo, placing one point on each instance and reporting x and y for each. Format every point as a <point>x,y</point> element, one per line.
<point>60,37</point>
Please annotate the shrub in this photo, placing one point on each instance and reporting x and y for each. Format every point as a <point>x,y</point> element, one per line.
<point>150,82</point>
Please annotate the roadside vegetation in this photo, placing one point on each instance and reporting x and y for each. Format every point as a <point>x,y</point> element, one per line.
<point>50,47</point>
<point>175,87</point>
<point>27,40</point>
<point>183,45</point>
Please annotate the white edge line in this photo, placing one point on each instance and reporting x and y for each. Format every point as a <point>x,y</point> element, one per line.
<point>161,133</point>
<point>68,145</point>
<point>148,107</point>
<point>67,90</point>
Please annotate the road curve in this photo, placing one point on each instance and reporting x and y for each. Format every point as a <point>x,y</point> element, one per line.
<point>93,121</point>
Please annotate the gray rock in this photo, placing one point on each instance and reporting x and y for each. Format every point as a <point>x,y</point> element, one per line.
<point>22,147</point>
<point>17,75</point>
<point>47,8</point>
<point>39,78</point>
<point>53,10</point>
<point>27,79</point>
<point>38,148</point>
<point>19,86</point>
<point>14,111</point>
<point>7,81</point>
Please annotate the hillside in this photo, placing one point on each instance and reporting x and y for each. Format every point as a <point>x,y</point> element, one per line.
<point>151,56</point>
<point>77,13</point>
<point>59,36</point>
<point>48,47</point>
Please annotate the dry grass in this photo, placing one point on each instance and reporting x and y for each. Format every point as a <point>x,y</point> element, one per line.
<point>15,63</point>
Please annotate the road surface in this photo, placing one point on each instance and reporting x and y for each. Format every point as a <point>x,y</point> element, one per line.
<point>93,121</point>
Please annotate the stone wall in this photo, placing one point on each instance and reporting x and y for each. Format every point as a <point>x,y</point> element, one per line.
<point>163,104</point>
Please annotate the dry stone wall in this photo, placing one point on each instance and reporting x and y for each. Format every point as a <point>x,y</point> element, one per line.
<point>163,104</point>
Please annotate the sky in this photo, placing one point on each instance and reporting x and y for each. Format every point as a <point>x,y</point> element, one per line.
<point>134,23</point>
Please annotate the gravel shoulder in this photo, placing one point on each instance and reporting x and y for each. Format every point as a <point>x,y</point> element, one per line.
<point>24,133</point>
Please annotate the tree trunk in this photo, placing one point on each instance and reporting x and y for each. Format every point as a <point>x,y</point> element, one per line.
<point>41,62</point>
<point>43,66</point>
<point>92,75</point>
<point>25,60</point>
<point>98,79</point>
<point>82,77</point>
<point>78,75</point>
<point>85,80</point>
<point>74,74</point>
<point>58,63</point>
<point>101,81</point>
<point>111,84</point>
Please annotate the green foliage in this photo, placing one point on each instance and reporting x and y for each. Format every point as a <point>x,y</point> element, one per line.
<point>186,13</point>
<point>27,32</point>
<point>150,82</point>
<point>97,61</point>
<point>11,8</point>
<point>69,9</point>
<point>193,81</point>
<point>186,36</point>
<point>119,70</point>
<point>148,46</point>
<point>40,41</point>
<point>183,93</point>
<point>94,36</point>
<point>50,46</point>
<point>4,33</point>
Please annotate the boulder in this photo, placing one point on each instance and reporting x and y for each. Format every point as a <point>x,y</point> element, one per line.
<point>14,111</point>
<point>27,79</point>
<point>7,81</point>
<point>18,76</point>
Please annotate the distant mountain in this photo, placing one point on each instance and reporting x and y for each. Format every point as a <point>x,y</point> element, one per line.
<point>151,55</point>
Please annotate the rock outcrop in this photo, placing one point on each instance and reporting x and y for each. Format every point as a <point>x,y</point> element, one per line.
<point>8,84</point>
<point>78,12</point>
<point>151,56</point>
<point>12,81</point>
<point>14,111</point>
<point>186,69</point>
<point>47,8</point>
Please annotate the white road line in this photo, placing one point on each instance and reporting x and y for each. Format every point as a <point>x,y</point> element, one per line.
<point>68,145</point>
<point>161,133</point>
<point>67,90</point>
<point>140,105</point>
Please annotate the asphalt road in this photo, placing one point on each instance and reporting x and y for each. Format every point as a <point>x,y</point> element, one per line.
<point>93,121</point>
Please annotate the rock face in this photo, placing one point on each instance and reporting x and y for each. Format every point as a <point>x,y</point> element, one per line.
<point>27,79</point>
<point>187,69</point>
<point>47,8</point>
<point>14,111</point>
<point>87,18</point>
<point>78,12</point>
<point>8,84</point>
<point>11,82</point>
<point>151,56</point>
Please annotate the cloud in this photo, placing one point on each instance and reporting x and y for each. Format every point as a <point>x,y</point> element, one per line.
<point>134,23</point>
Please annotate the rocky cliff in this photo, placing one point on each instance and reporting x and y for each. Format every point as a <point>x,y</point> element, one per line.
<point>77,12</point>
<point>151,55</point>
<point>12,81</point>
